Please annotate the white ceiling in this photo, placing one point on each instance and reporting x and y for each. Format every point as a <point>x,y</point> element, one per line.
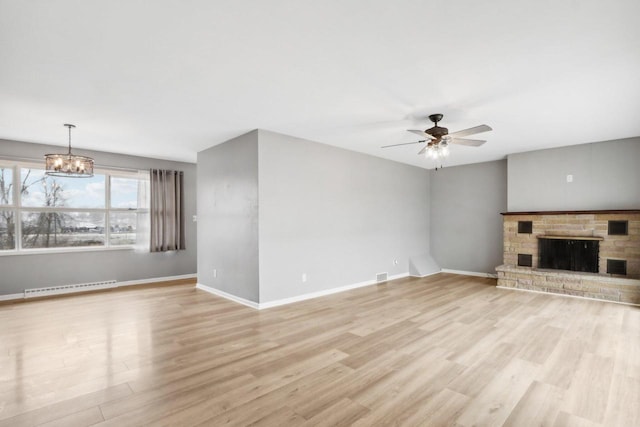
<point>167,79</point>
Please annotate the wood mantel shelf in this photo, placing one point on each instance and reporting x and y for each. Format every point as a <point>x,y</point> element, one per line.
<point>604,212</point>
<point>543,236</point>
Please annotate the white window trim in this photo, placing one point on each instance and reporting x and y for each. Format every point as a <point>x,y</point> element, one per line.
<point>17,209</point>
<point>44,251</point>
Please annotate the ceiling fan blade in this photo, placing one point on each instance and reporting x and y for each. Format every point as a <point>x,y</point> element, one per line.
<point>404,143</point>
<point>469,142</point>
<point>470,131</point>
<point>423,150</point>
<point>421,133</point>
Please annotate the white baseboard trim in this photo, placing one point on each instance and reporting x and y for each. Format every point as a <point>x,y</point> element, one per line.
<point>156,279</point>
<point>297,298</point>
<point>566,296</point>
<point>228,296</point>
<point>11,297</point>
<point>470,273</point>
<point>427,275</point>
<point>117,285</point>
<point>326,292</point>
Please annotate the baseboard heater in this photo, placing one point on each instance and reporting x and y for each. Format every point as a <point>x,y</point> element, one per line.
<point>68,289</point>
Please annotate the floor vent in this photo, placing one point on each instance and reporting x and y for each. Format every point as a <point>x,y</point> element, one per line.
<point>381,277</point>
<point>67,289</point>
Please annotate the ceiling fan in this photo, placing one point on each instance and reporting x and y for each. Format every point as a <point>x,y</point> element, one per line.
<point>438,138</point>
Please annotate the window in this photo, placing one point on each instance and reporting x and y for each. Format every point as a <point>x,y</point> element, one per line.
<point>42,213</point>
<point>7,215</point>
<point>126,215</point>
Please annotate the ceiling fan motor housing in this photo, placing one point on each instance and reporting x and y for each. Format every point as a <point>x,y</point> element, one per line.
<point>437,131</point>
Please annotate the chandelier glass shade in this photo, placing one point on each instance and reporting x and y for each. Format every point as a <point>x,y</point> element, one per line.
<point>68,164</point>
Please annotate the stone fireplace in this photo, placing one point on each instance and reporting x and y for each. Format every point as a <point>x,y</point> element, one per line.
<point>593,254</point>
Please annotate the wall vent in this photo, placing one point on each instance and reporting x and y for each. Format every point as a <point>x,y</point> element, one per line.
<point>525,260</point>
<point>67,289</point>
<point>617,266</point>
<point>381,277</point>
<point>618,228</point>
<point>525,227</point>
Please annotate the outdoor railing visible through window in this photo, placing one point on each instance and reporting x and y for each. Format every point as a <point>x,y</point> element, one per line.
<point>45,213</point>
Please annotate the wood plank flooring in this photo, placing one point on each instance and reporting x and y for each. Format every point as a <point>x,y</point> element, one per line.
<point>438,351</point>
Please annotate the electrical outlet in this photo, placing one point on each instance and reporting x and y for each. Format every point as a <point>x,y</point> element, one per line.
<point>569,178</point>
<point>195,218</point>
<point>215,273</point>
<point>395,262</point>
<point>304,277</point>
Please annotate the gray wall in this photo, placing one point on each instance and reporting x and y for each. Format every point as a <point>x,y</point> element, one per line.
<point>19,272</point>
<point>228,216</point>
<point>606,175</point>
<point>466,225</point>
<point>335,215</point>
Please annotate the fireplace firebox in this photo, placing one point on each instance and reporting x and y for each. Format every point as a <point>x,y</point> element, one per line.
<point>573,254</point>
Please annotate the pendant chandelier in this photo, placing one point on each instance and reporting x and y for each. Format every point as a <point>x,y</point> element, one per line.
<point>69,165</point>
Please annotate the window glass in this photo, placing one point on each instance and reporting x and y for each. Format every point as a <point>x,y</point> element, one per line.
<point>7,230</point>
<point>59,212</point>
<point>40,190</point>
<point>123,228</point>
<point>6,185</point>
<point>125,192</point>
<point>62,229</point>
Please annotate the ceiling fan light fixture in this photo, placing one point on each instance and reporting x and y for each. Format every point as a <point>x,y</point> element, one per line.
<point>68,164</point>
<point>437,150</point>
<point>429,153</point>
<point>438,138</point>
<point>444,150</point>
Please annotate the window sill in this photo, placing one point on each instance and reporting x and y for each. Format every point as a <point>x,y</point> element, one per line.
<point>65,250</point>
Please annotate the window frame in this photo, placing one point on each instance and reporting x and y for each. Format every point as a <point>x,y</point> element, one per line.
<point>18,209</point>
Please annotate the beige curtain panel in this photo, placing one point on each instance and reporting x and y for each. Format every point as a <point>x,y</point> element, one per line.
<point>167,210</point>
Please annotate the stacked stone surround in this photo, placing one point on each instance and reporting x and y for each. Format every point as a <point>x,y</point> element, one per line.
<point>587,285</point>
<point>586,224</point>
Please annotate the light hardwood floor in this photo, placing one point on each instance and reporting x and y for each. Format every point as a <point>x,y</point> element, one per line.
<point>443,350</point>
